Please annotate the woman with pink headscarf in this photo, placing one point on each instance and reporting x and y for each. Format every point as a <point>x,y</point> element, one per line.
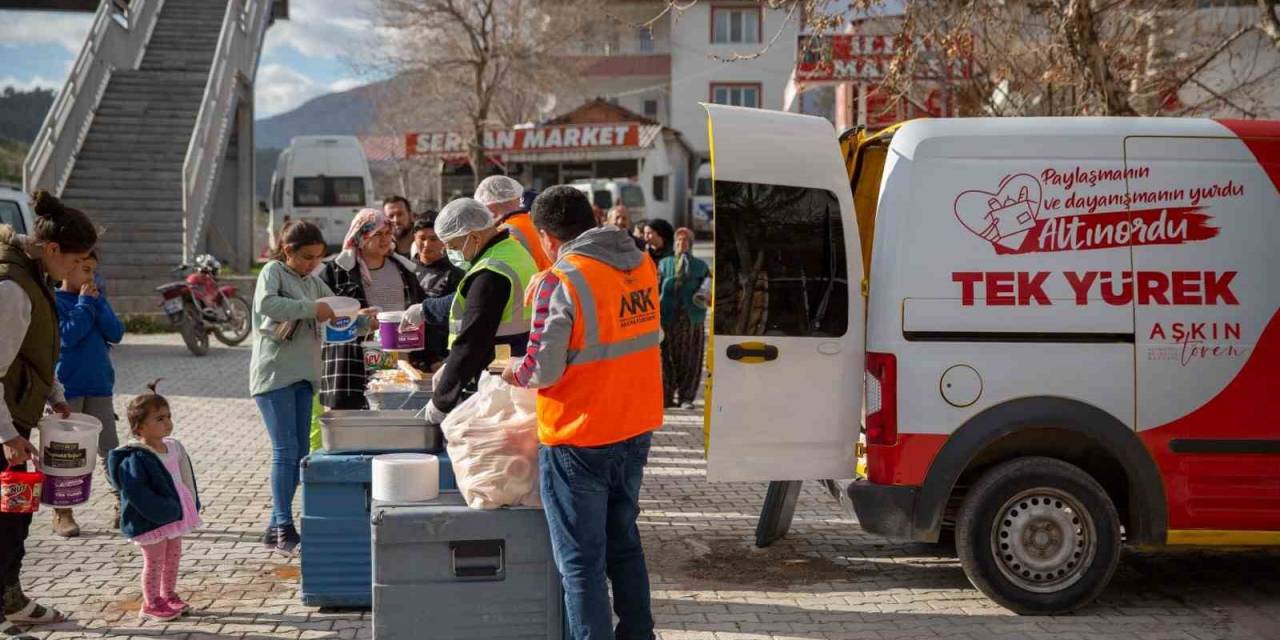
<point>369,270</point>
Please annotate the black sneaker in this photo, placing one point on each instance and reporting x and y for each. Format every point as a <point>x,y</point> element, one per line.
<point>269,538</point>
<point>287,539</point>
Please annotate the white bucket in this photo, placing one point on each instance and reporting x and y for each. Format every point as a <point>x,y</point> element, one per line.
<point>342,328</point>
<point>68,453</point>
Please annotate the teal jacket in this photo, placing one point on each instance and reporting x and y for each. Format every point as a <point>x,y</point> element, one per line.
<point>679,277</point>
<point>283,295</point>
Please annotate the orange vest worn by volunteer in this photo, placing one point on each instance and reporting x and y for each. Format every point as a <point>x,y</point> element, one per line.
<point>521,227</point>
<point>611,389</point>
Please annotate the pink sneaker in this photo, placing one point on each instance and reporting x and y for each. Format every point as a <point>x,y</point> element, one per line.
<point>161,612</point>
<point>177,604</point>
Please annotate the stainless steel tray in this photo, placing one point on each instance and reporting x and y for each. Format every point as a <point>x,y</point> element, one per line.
<point>351,431</point>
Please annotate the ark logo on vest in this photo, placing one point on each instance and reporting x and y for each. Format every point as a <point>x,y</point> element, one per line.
<point>637,307</point>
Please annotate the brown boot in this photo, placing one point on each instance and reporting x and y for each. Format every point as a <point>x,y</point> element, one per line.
<point>64,523</point>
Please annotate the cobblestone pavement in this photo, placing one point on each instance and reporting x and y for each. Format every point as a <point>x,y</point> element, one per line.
<point>826,580</point>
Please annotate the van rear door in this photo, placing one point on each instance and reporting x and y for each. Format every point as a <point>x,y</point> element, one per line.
<point>788,324</point>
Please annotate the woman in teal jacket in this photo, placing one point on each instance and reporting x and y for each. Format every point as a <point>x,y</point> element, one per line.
<point>684,315</point>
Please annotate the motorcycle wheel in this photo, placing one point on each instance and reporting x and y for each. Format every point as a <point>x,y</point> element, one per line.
<point>236,328</point>
<point>193,332</point>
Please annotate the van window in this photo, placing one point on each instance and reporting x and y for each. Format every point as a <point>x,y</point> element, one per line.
<point>11,214</point>
<point>781,268</point>
<point>702,187</point>
<point>277,195</point>
<point>328,192</point>
<point>632,196</point>
<point>348,192</point>
<point>602,199</point>
<point>308,192</point>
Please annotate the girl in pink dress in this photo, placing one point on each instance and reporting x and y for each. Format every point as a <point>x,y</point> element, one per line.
<point>159,501</point>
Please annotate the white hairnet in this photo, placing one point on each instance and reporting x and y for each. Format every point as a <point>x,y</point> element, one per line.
<point>460,217</point>
<point>495,189</point>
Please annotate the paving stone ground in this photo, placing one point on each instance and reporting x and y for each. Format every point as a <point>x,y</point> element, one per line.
<point>826,580</point>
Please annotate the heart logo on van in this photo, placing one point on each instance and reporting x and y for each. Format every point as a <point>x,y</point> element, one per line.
<point>1005,217</point>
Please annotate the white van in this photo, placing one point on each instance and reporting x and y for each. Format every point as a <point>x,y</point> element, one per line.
<point>15,210</point>
<point>609,193</point>
<point>1067,330</point>
<point>702,202</point>
<point>321,179</point>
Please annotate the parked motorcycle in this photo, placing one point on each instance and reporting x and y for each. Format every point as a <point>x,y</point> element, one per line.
<point>198,306</point>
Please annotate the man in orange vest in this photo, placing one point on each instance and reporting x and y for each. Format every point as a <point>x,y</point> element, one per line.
<point>593,357</point>
<point>505,199</point>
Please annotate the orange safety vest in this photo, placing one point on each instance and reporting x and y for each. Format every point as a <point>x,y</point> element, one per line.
<point>522,229</point>
<point>611,389</point>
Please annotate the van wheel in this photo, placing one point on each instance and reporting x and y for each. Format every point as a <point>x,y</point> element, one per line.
<point>1038,536</point>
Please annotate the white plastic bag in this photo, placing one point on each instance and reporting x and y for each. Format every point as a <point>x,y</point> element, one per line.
<point>493,444</point>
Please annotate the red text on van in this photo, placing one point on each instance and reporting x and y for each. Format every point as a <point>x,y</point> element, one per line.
<point>1022,288</point>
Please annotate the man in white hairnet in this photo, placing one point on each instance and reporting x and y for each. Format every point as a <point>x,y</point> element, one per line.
<point>505,199</point>
<point>489,306</point>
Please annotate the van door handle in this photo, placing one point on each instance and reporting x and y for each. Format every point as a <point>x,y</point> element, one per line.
<point>752,352</point>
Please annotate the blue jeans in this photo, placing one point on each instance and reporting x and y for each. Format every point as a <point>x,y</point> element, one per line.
<point>592,498</point>
<point>287,413</point>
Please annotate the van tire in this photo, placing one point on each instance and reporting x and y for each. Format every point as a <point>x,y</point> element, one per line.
<point>1031,508</point>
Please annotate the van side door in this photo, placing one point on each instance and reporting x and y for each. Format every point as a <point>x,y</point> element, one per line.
<point>1207,327</point>
<point>788,322</point>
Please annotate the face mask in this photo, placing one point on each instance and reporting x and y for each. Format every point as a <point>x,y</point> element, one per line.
<point>459,257</point>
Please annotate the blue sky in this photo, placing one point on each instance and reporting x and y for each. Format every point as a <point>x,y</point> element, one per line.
<point>319,49</point>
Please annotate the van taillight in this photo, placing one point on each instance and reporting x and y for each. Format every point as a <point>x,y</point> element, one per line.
<point>882,399</point>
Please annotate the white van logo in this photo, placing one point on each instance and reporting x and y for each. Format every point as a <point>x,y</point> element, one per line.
<point>1015,218</point>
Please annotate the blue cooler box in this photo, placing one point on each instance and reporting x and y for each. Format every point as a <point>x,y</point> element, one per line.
<point>445,571</point>
<point>336,561</point>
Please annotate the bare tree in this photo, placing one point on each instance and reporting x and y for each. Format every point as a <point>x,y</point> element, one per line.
<point>1089,57</point>
<point>484,63</point>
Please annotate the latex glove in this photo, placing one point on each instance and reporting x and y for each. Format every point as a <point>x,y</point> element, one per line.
<point>434,415</point>
<point>412,318</point>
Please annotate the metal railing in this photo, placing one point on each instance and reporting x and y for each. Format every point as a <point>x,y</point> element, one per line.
<point>235,64</point>
<point>117,40</point>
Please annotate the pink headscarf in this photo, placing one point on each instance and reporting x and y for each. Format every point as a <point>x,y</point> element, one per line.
<point>365,224</point>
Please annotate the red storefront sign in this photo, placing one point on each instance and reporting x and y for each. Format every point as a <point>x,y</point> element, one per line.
<point>566,137</point>
<point>844,58</point>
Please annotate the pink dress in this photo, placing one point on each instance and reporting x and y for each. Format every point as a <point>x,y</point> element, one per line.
<point>190,514</point>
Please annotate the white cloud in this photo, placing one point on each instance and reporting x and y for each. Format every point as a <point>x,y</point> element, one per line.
<point>324,29</point>
<point>67,30</point>
<point>280,88</point>
<point>27,84</point>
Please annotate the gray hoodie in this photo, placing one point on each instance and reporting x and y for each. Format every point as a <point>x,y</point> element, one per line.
<point>610,245</point>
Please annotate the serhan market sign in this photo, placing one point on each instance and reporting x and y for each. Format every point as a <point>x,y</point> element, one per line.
<point>566,137</point>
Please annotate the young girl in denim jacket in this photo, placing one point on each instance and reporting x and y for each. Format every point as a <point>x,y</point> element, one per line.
<point>159,501</point>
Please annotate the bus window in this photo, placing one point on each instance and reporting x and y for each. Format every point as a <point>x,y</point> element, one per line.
<point>602,199</point>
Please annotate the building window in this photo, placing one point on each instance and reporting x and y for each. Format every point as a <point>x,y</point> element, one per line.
<point>651,108</point>
<point>736,25</point>
<point>738,95</point>
<point>660,188</point>
<point>645,37</point>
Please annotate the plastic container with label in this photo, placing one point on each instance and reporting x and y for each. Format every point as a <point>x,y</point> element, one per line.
<point>68,453</point>
<point>342,328</point>
<point>392,338</point>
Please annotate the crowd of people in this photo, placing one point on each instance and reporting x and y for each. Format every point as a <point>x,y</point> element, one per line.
<point>605,320</point>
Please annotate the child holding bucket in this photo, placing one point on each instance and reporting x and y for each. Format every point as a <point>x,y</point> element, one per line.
<point>285,369</point>
<point>88,327</point>
<point>160,501</point>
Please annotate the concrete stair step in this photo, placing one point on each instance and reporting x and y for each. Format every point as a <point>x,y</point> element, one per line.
<point>110,170</point>
<point>132,256</point>
<point>158,200</point>
<point>147,109</point>
<point>112,121</point>
<point>116,271</point>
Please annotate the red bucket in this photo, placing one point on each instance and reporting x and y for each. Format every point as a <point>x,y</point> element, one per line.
<point>20,491</point>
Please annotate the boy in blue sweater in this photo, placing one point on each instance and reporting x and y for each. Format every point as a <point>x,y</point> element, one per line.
<point>88,327</point>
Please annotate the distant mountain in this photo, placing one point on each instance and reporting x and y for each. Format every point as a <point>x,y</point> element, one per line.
<point>22,112</point>
<point>347,113</point>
